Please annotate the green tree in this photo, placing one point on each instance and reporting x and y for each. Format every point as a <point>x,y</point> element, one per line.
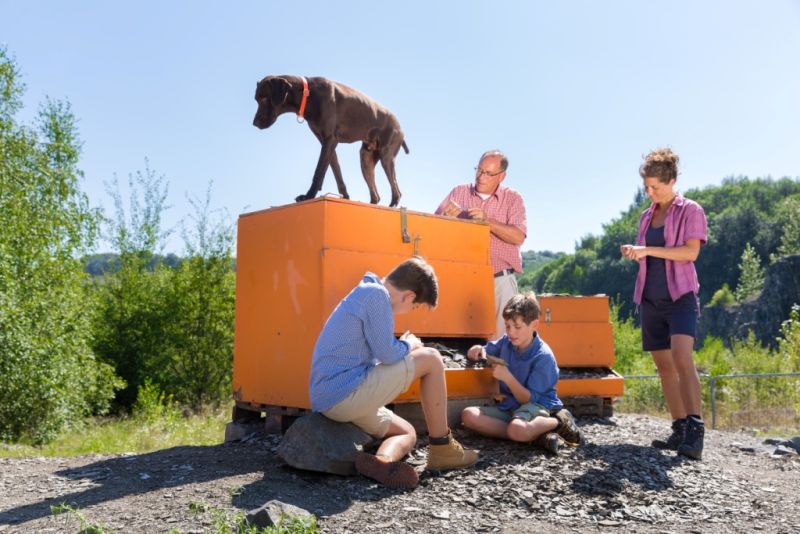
<point>132,325</point>
<point>49,377</point>
<point>751,279</point>
<point>198,357</point>
<point>790,221</point>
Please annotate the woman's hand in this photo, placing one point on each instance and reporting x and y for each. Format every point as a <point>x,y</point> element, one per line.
<point>633,252</point>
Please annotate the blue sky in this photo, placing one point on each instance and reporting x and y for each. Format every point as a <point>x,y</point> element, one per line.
<point>574,92</point>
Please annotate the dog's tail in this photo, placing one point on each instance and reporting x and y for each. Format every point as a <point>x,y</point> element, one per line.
<point>405,146</point>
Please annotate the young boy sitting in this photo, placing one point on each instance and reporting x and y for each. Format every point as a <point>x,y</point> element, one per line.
<point>530,411</point>
<point>359,366</point>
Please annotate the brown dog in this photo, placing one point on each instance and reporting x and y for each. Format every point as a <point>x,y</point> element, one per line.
<point>336,114</point>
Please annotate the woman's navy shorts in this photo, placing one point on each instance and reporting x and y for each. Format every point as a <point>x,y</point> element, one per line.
<point>662,319</point>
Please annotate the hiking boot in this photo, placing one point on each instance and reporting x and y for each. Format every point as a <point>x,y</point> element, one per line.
<point>692,445</point>
<point>548,441</point>
<point>450,455</point>
<point>675,439</point>
<point>567,428</point>
<point>390,474</point>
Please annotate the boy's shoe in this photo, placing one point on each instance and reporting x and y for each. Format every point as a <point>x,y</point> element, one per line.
<point>450,456</point>
<point>390,474</point>
<point>548,441</point>
<point>567,428</point>
<point>675,439</point>
<point>692,445</point>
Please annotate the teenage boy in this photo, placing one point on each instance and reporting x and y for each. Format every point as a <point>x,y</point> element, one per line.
<point>359,366</point>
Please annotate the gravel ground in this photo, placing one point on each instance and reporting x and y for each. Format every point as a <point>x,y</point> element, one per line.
<point>614,483</point>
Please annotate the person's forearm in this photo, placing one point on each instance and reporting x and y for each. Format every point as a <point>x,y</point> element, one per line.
<point>520,392</point>
<point>681,253</point>
<point>506,232</point>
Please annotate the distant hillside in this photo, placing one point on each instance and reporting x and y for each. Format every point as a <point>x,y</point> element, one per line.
<point>533,259</point>
<point>108,262</point>
<point>763,212</point>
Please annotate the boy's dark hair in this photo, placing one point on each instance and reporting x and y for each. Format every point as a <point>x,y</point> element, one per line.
<point>524,305</point>
<point>416,275</point>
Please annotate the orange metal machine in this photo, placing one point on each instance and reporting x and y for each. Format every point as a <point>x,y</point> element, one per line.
<point>296,262</point>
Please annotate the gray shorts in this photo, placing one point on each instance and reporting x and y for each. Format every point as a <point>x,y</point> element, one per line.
<point>527,412</point>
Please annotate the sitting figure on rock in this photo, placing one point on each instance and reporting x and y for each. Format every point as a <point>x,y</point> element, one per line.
<point>526,369</point>
<point>359,366</point>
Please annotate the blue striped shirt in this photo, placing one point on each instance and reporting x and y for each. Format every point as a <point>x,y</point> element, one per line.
<point>357,336</point>
<point>535,368</point>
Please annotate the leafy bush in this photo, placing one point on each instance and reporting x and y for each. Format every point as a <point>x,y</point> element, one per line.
<point>49,377</point>
<point>722,297</point>
<point>751,277</point>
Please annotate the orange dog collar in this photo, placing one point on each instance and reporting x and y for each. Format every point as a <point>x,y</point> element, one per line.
<point>302,110</point>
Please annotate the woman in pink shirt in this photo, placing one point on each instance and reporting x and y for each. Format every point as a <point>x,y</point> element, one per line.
<point>670,234</point>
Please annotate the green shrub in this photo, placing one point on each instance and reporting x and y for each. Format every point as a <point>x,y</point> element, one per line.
<point>49,376</point>
<point>722,297</point>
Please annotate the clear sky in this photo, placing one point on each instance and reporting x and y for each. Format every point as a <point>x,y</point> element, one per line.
<point>574,92</point>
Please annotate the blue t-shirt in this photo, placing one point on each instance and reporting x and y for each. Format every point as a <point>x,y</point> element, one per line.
<point>535,368</point>
<point>357,336</point>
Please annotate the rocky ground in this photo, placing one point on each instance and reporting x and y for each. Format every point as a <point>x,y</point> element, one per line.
<point>614,483</point>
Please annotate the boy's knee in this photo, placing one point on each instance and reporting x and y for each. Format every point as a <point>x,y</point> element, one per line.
<point>429,358</point>
<point>470,415</point>
<point>518,430</point>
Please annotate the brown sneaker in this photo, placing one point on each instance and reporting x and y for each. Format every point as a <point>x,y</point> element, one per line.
<point>567,428</point>
<point>450,456</point>
<point>548,441</point>
<point>390,474</point>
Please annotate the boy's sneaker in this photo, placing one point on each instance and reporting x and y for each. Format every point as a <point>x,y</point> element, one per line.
<point>450,456</point>
<point>692,445</point>
<point>390,474</point>
<point>675,439</point>
<point>567,428</point>
<point>548,441</point>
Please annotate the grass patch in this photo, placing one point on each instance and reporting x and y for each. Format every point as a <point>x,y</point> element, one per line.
<point>137,434</point>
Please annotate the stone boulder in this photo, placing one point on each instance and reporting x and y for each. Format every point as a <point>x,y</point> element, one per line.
<point>270,514</point>
<point>315,443</point>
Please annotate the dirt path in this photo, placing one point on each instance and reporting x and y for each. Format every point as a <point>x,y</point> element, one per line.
<point>615,483</point>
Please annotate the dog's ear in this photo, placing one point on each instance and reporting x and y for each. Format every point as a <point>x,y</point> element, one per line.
<point>279,90</point>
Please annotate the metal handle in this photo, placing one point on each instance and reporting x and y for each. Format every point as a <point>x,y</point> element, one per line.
<point>404,226</point>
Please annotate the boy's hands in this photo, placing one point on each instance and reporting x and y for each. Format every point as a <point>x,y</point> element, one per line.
<point>501,372</point>
<point>413,341</point>
<point>476,353</point>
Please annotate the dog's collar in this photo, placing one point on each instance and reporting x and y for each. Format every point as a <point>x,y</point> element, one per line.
<point>302,110</point>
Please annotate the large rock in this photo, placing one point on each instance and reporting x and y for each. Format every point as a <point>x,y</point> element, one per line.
<point>271,513</point>
<point>763,314</point>
<point>316,443</point>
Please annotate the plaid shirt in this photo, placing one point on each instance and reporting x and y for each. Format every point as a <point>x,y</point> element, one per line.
<point>504,206</point>
<point>685,220</point>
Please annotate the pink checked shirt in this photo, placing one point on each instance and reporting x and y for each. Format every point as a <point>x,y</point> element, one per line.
<point>685,220</point>
<point>504,206</point>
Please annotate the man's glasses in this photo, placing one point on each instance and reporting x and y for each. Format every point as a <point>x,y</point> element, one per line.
<point>479,172</point>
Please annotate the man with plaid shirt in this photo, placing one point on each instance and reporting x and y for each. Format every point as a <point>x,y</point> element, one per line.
<point>501,207</point>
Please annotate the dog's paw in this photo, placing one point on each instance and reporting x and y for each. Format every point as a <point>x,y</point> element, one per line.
<point>300,198</point>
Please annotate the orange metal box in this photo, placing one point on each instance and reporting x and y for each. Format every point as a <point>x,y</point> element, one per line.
<point>296,262</point>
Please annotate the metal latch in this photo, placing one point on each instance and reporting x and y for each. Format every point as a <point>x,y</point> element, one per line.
<point>404,226</point>
<point>547,315</point>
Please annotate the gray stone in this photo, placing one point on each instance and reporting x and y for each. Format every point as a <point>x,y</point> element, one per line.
<point>237,431</point>
<point>316,443</point>
<point>780,450</point>
<point>795,443</point>
<point>270,514</point>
